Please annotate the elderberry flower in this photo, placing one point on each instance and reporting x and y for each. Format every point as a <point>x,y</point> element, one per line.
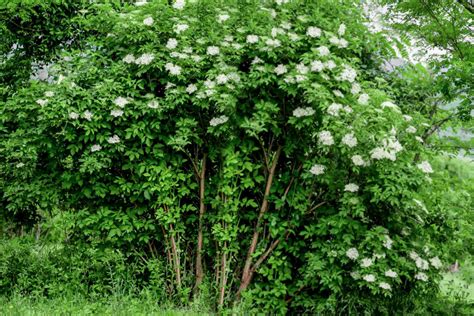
<point>363,99</point>
<point>317,66</point>
<point>280,69</point>
<point>148,21</point>
<point>116,113</point>
<point>113,140</point>
<point>385,286</point>
<point>425,167</point>
<point>341,30</point>
<point>252,39</point>
<point>173,69</point>
<point>313,32</point>
<point>145,59</point>
<point>96,147</point>
<point>351,187</point>
<point>153,104</point>
<point>391,274</point>
<point>302,69</point>
<point>42,102</point>
<point>366,262</point>
<point>218,120</point>
<point>317,169</point>
<point>88,115</point>
<point>349,140</point>
<point>352,253</point>
<point>325,138</point>
<point>411,129</point>
<point>213,50</point>
<point>300,112</point>
<point>369,277</point>
<point>49,94</point>
<point>357,160</point>
<point>121,102</point>
<point>435,262</point>
<point>179,4</point>
<point>334,109</point>
<point>172,43</point>
<point>323,51</point>
<point>388,242</point>
<point>73,115</point>
<point>421,276</point>
<point>180,28</point>
<point>222,18</point>
<point>129,59</point>
<point>355,89</point>
<point>191,88</point>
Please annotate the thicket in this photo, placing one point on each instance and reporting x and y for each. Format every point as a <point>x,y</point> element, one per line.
<point>240,150</point>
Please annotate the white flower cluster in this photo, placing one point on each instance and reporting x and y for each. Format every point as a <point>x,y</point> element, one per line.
<point>218,120</point>
<point>358,160</point>
<point>388,242</point>
<point>352,253</point>
<point>391,274</point>
<point>300,112</point>
<point>325,138</point>
<point>349,140</point>
<point>342,30</point>
<point>179,28</point>
<point>385,286</point>
<point>425,167</point>
<point>49,94</point>
<point>148,21</point>
<point>96,147</point>
<point>351,187</point>
<point>179,4</point>
<point>116,113</point>
<point>348,74</point>
<point>323,51</point>
<point>153,104</point>
<point>252,39</point>
<point>213,50</point>
<point>273,43</point>
<point>222,18</point>
<point>390,105</point>
<point>172,43</point>
<point>280,69</point>
<point>121,102</point>
<point>366,262</point>
<point>339,42</point>
<point>363,99</point>
<point>313,31</point>
<point>113,140</point>
<point>435,262</point>
<point>390,147</point>
<point>173,69</point>
<point>317,170</point>
<point>42,102</point>
<point>191,88</point>
<point>421,276</point>
<point>144,59</point>
<point>87,115</point>
<point>369,278</point>
<point>73,116</point>
<point>420,263</point>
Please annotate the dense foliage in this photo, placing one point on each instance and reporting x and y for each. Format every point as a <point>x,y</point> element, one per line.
<point>254,149</point>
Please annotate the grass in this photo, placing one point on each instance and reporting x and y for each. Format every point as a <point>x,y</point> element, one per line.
<point>460,285</point>
<point>116,306</point>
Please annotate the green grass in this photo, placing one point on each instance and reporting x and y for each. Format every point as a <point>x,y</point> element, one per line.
<point>19,305</point>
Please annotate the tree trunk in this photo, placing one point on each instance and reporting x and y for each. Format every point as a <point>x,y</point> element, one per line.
<point>202,210</point>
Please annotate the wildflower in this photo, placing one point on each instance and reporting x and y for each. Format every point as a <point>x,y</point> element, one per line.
<point>191,88</point>
<point>385,286</point>
<point>355,89</point>
<point>339,42</point>
<point>352,253</point>
<point>180,28</point>
<point>179,4</point>
<point>145,59</point>
<point>388,242</point>
<point>173,69</point>
<point>49,94</point>
<point>129,59</point>
<point>363,99</point>
<point>121,101</point>
<point>413,255</point>
<point>302,69</point>
<point>300,112</point>
<point>341,30</point>
<point>391,274</point>
<point>334,109</point>
<point>88,115</point>
<point>293,37</point>
<point>421,276</point>
<point>357,160</point>
<point>355,275</point>
<point>317,169</point>
<point>276,31</point>
<point>317,66</point>
<point>222,79</point>
<point>20,165</point>
<point>425,167</point>
<point>42,102</point>
<point>196,58</point>
<point>313,31</point>
<point>411,129</point>
<point>280,69</point>
<point>213,50</point>
<point>325,138</point>
<point>418,138</point>
<point>73,115</point>
<point>435,262</point>
<point>299,78</point>
<point>351,187</point>
<point>223,17</point>
<point>349,140</point>
<point>153,104</point>
<point>421,263</point>
<point>218,120</point>
<point>257,60</point>
<point>369,277</point>
<point>148,21</point>
<point>252,39</point>
<point>116,113</point>
<point>338,93</point>
<point>96,147</point>
<point>234,76</point>
<point>407,118</point>
<point>140,3</point>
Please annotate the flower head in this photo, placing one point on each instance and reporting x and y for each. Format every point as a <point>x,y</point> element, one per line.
<point>334,109</point>
<point>218,120</point>
<point>178,28</point>
<point>116,113</point>
<point>323,50</point>
<point>391,274</point>
<point>421,276</point>
<point>42,102</point>
<point>252,39</point>
<point>352,253</point>
<point>358,160</point>
<point>349,140</point>
<point>129,59</point>
<point>96,147</point>
<point>317,169</point>
<point>363,99</point>
<point>172,43</point>
<point>313,31</point>
<point>369,278</point>
<point>191,88</point>
<point>87,115</point>
<point>145,59</point>
<point>425,167</point>
<point>121,102</point>
<point>113,140</point>
<point>385,286</point>
<point>148,21</point>
<point>351,187</point>
<point>280,69</point>
<point>325,138</point>
<point>300,112</point>
<point>213,50</point>
<point>179,4</point>
<point>435,262</point>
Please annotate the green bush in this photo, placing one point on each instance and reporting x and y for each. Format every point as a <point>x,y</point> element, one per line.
<point>252,145</point>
